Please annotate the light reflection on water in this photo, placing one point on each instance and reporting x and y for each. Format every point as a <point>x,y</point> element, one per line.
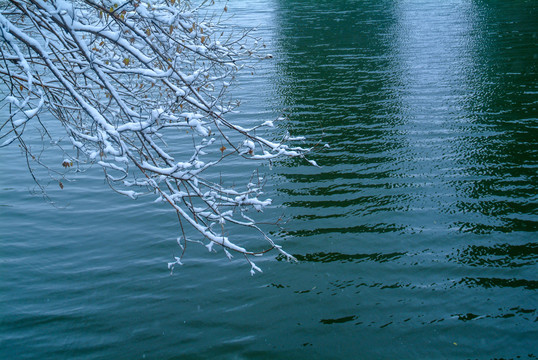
<point>415,239</point>
<point>422,205</point>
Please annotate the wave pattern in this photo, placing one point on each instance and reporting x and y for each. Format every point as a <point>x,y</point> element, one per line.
<point>416,238</point>
<point>425,210</point>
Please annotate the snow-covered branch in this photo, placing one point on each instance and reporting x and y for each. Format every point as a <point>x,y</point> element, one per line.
<point>125,80</point>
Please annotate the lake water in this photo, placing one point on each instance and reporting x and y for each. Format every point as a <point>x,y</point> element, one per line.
<point>416,239</point>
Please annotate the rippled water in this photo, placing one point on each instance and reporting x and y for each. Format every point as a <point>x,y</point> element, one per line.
<point>416,238</point>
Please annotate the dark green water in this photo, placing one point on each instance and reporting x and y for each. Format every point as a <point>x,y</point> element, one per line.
<point>416,239</point>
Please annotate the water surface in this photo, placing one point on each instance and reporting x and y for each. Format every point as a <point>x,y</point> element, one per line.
<point>416,238</point>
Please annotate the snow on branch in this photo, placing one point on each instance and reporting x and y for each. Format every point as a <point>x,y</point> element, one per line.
<point>125,80</point>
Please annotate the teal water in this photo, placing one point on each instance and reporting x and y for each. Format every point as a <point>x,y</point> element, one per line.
<point>416,238</point>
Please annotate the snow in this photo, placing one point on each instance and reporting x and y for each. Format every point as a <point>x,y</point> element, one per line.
<point>130,193</point>
<point>13,100</point>
<point>249,144</point>
<point>8,141</point>
<point>19,122</point>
